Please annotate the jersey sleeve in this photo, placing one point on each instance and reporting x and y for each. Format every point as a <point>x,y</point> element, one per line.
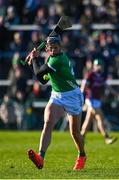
<point>54,64</point>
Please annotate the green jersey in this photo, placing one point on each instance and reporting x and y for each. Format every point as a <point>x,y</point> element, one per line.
<point>62,78</point>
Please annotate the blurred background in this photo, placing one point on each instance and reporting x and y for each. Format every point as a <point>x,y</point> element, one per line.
<point>23,26</point>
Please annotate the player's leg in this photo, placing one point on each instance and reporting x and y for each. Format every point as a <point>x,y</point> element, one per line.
<point>87,121</point>
<point>74,126</point>
<point>52,114</point>
<point>100,123</point>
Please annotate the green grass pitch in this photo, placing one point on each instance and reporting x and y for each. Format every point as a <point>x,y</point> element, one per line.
<point>102,161</point>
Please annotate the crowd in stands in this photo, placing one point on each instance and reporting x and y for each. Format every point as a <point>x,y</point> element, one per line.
<point>81,45</point>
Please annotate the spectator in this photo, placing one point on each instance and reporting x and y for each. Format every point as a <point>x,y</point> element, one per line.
<point>19,6</point>
<point>29,9</point>
<point>18,82</point>
<point>34,42</point>
<point>36,90</point>
<point>66,43</point>
<point>18,91</point>
<point>53,16</point>
<point>41,19</point>
<point>20,110</point>
<point>2,7</point>
<point>17,44</point>
<point>12,18</point>
<point>87,17</point>
<point>4,38</point>
<point>7,113</point>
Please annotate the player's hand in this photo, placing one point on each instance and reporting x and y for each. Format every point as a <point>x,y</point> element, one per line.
<point>34,53</point>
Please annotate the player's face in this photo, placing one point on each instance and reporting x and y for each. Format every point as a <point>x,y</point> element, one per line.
<point>97,68</point>
<point>53,49</point>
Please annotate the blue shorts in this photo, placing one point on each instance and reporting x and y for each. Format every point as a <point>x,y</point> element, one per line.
<point>71,101</point>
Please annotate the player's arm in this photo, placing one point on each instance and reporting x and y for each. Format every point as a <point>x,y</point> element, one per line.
<point>83,85</point>
<point>40,71</point>
<point>85,82</point>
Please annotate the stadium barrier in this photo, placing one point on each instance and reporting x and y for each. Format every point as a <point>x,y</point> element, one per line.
<point>113,82</point>
<point>74,27</point>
